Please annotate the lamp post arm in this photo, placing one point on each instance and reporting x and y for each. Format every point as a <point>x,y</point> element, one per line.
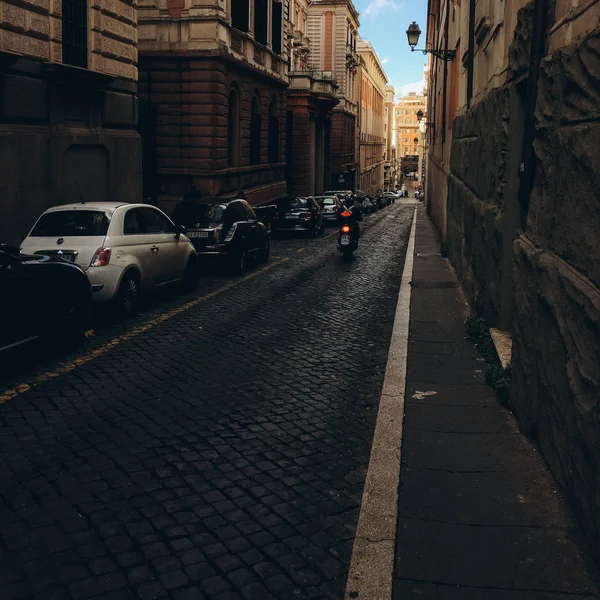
<point>441,54</point>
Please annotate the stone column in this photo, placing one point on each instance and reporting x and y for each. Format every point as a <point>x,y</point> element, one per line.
<point>312,152</point>
<point>320,157</point>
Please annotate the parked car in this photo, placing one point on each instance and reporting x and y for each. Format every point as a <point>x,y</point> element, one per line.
<point>330,207</point>
<point>340,194</point>
<point>125,249</point>
<point>42,296</point>
<point>228,230</point>
<point>390,197</point>
<point>298,214</point>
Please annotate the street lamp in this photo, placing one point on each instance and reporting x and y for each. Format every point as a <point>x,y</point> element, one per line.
<point>420,115</point>
<point>414,32</point>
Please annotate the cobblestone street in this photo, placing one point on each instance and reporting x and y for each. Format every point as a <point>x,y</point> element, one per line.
<point>215,446</point>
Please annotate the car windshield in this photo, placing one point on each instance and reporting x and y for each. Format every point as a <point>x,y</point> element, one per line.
<point>294,203</point>
<point>198,216</point>
<point>71,223</point>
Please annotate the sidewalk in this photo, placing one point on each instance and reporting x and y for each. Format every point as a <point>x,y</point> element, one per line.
<point>479,515</point>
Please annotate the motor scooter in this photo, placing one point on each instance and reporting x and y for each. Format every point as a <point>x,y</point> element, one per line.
<point>348,234</point>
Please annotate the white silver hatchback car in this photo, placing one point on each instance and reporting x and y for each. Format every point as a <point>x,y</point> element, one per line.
<point>125,249</point>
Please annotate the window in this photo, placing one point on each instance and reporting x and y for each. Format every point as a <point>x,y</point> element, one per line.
<point>406,150</point>
<point>76,223</point>
<point>406,140</point>
<point>240,13</point>
<point>276,25</point>
<point>273,134</point>
<point>416,141</point>
<point>197,216</point>
<point>255,132</point>
<point>146,221</point>
<point>233,129</point>
<point>260,21</point>
<point>74,33</point>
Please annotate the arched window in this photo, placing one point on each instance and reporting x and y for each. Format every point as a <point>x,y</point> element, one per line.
<point>240,14</point>
<point>416,141</point>
<point>255,132</point>
<point>233,129</point>
<point>273,134</point>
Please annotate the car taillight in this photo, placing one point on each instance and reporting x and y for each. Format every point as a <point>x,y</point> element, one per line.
<point>346,229</point>
<point>101,258</point>
<point>308,215</point>
<point>231,233</point>
<point>218,234</point>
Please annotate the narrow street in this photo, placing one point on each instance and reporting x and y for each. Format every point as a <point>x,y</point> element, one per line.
<point>214,447</point>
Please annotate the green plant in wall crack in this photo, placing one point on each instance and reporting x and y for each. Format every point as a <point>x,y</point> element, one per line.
<point>444,249</point>
<point>495,375</point>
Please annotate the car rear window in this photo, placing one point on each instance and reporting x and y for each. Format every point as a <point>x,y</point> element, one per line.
<point>291,203</point>
<point>71,223</point>
<point>198,216</point>
<point>328,201</point>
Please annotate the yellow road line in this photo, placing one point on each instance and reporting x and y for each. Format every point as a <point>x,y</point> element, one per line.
<point>85,358</point>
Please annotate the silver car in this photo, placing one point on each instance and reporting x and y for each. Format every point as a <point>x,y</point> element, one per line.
<point>330,207</point>
<point>123,248</point>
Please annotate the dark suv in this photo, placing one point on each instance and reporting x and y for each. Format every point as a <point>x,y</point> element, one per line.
<point>228,230</point>
<point>298,214</point>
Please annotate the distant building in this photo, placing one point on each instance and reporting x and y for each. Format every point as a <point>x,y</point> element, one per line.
<point>389,133</point>
<point>408,127</point>
<point>332,27</point>
<point>68,107</point>
<point>371,122</point>
<point>213,77</point>
<point>310,100</point>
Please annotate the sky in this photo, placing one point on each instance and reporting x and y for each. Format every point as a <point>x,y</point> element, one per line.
<point>384,24</point>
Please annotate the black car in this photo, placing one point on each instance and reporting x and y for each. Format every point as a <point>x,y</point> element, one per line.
<point>228,230</point>
<point>42,297</point>
<point>298,214</point>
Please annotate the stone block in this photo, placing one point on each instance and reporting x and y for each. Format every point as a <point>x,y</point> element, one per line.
<point>40,25</point>
<point>118,109</point>
<point>520,48</point>
<point>13,17</point>
<point>25,44</point>
<point>23,98</point>
<point>556,373</point>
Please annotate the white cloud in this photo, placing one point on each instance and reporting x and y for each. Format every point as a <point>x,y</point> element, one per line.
<point>415,86</point>
<point>376,6</point>
<point>384,60</point>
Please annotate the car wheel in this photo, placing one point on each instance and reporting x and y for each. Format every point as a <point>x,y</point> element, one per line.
<point>128,296</point>
<point>240,262</point>
<point>190,279</point>
<point>266,251</point>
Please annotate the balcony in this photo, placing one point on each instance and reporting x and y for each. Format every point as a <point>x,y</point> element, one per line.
<point>300,41</point>
<point>261,57</point>
<point>318,82</point>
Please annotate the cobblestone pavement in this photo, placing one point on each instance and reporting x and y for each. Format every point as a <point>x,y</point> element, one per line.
<point>219,453</point>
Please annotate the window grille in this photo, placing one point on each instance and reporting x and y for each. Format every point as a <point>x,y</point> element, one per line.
<point>74,33</point>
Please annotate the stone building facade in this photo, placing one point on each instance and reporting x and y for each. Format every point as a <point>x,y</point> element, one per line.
<point>408,131</point>
<point>370,123</point>
<point>521,118</point>
<point>333,31</point>
<point>213,78</point>
<point>68,107</point>
<point>389,134</point>
<point>311,97</point>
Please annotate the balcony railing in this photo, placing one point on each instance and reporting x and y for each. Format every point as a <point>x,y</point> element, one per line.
<point>322,82</point>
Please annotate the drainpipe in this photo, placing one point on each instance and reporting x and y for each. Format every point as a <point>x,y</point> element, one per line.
<point>445,90</point>
<point>539,36</point>
<point>470,65</point>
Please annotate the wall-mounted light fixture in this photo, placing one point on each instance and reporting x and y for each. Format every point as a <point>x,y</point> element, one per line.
<point>414,32</point>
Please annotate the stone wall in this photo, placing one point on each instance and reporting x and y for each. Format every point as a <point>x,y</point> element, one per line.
<point>189,96</point>
<point>64,135</point>
<point>476,198</point>
<point>556,360</point>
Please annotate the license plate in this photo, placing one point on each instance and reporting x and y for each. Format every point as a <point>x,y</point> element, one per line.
<point>291,217</point>
<point>198,234</point>
<point>345,240</point>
